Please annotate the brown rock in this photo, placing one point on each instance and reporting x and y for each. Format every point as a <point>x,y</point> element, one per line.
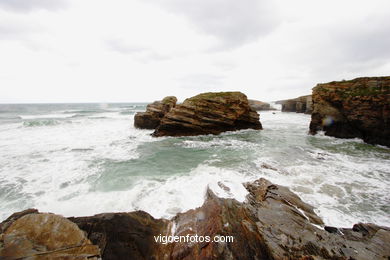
<point>209,113</point>
<point>35,235</point>
<point>301,104</point>
<point>355,108</point>
<point>259,105</point>
<point>272,223</point>
<point>154,113</point>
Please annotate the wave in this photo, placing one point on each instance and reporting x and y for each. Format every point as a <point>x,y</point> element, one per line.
<point>35,123</point>
<point>46,116</point>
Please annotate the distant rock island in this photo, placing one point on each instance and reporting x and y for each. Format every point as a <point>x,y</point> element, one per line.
<point>301,104</point>
<point>354,108</point>
<point>206,113</point>
<point>260,105</point>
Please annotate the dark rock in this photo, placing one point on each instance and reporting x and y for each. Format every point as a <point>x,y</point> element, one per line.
<point>301,104</point>
<point>259,105</point>
<point>272,223</point>
<point>209,113</point>
<point>355,108</point>
<point>154,113</point>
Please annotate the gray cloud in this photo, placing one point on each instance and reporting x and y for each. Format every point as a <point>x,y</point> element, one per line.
<point>232,22</point>
<point>30,5</point>
<point>202,81</point>
<point>140,53</point>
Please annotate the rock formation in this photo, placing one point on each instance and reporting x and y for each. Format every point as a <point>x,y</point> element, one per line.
<point>259,105</point>
<point>272,223</point>
<point>33,235</point>
<point>154,112</point>
<point>354,108</point>
<point>209,113</point>
<point>301,104</point>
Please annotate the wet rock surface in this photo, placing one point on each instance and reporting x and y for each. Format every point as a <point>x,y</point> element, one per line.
<point>354,108</point>
<point>154,113</point>
<point>32,235</point>
<point>209,113</point>
<point>272,223</point>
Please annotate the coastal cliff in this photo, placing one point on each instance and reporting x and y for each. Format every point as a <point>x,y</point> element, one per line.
<point>272,223</point>
<point>354,108</point>
<point>209,113</point>
<point>301,104</point>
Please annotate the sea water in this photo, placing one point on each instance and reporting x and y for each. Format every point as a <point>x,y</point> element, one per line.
<point>83,159</point>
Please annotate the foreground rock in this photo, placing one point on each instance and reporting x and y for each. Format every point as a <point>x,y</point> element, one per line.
<point>260,105</point>
<point>209,113</point>
<point>32,235</point>
<point>154,112</point>
<point>301,104</point>
<point>355,108</point>
<point>272,223</point>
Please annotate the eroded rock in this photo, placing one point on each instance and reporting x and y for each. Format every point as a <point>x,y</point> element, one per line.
<point>260,105</point>
<point>355,108</point>
<point>154,113</point>
<point>209,113</point>
<point>33,235</point>
<point>301,104</point>
<point>272,223</point>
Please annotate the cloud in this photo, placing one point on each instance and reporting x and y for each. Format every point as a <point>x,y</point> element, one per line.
<point>202,81</point>
<point>232,22</point>
<point>140,53</point>
<point>29,5</point>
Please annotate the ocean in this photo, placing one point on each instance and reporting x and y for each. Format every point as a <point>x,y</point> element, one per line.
<point>84,159</point>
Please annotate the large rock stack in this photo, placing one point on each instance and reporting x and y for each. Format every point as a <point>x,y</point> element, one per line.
<point>355,108</point>
<point>209,113</point>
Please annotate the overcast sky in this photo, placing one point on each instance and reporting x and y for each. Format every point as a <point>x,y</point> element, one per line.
<point>143,50</point>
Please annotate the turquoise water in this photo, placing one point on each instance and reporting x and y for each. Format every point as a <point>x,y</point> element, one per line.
<point>83,159</point>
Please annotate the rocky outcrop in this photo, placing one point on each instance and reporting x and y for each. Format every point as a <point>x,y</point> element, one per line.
<point>209,113</point>
<point>272,223</point>
<point>301,104</point>
<point>355,108</point>
<point>259,105</point>
<point>154,113</point>
<point>33,235</point>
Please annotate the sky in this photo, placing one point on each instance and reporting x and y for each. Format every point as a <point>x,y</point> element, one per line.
<point>143,50</point>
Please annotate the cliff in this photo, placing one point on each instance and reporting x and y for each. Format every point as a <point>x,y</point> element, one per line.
<point>259,105</point>
<point>354,108</point>
<point>272,223</point>
<point>209,113</point>
<point>301,104</point>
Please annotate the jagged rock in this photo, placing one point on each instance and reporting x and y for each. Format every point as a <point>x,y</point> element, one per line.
<point>355,108</point>
<point>301,104</point>
<point>124,235</point>
<point>154,112</point>
<point>259,105</point>
<point>33,235</point>
<point>209,113</point>
<point>272,223</point>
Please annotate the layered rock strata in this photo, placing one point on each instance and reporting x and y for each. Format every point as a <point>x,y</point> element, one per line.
<point>272,223</point>
<point>154,113</point>
<point>301,104</point>
<point>33,235</point>
<point>354,108</point>
<point>209,113</point>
